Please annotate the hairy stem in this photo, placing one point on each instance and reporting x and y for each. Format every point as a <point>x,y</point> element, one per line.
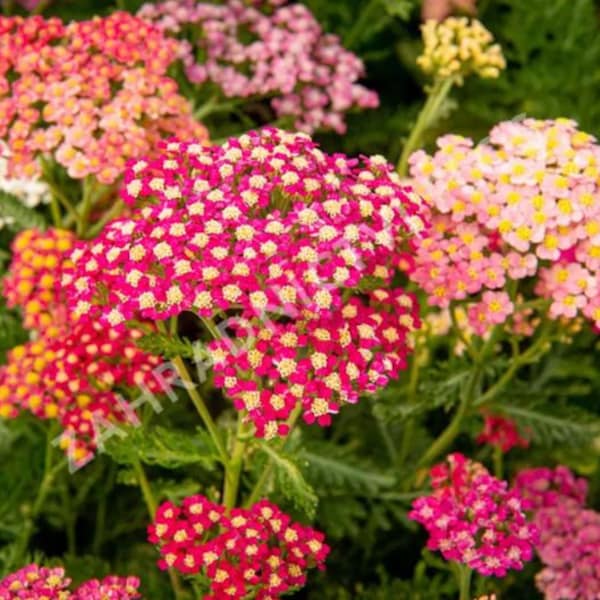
<point>429,113</point>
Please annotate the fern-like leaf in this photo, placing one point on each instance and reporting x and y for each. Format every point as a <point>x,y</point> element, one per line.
<point>17,216</point>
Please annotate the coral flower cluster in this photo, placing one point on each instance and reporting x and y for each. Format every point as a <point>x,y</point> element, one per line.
<point>257,550</point>
<point>570,533</point>
<point>474,519</point>
<point>74,369</point>
<point>279,53</point>
<point>42,583</point>
<point>290,254</point>
<point>458,47</point>
<point>89,95</point>
<point>521,204</point>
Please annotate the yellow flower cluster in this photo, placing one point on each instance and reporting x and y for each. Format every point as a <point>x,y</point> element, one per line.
<point>458,47</point>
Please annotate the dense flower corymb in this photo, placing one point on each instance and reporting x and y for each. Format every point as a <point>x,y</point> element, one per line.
<point>457,47</point>
<point>308,75</point>
<point>522,204</point>
<point>90,94</point>
<point>42,583</point>
<point>291,251</point>
<point>74,369</point>
<point>570,533</point>
<point>473,518</point>
<point>258,549</point>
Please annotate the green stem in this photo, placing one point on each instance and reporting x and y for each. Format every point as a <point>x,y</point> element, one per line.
<point>446,438</point>
<point>86,206</point>
<point>498,458</point>
<point>109,215</point>
<point>262,481</point>
<point>464,582</point>
<point>41,7</point>
<point>413,384</point>
<point>429,113</point>
<point>152,505</point>
<point>49,474</point>
<point>233,468</point>
<point>360,23</point>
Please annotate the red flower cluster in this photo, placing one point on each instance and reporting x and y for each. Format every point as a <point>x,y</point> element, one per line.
<point>74,369</point>
<point>501,432</point>
<point>42,583</point>
<point>472,518</point>
<point>257,550</point>
<point>291,250</point>
<point>91,94</point>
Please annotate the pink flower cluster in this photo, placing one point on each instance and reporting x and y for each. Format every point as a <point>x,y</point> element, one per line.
<point>473,518</point>
<point>90,94</point>
<point>501,432</point>
<point>570,534</point>
<point>42,583</point>
<point>308,75</point>
<point>521,204</point>
<point>258,550</point>
<point>292,251</point>
<point>74,370</point>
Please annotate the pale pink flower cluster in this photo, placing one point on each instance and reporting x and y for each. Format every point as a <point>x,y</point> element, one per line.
<point>308,75</point>
<point>570,533</point>
<point>291,251</point>
<point>473,518</point>
<point>42,583</point>
<point>523,203</point>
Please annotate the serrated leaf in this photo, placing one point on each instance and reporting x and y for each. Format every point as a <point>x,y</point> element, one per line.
<point>290,481</point>
<point>549,423</point>
<point>168,346</point>
<point>17,216</point>
<point>163,447</point>
<point>335,469</point>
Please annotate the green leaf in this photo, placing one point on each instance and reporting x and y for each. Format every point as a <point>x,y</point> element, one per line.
<point>17,216</point>
<point>335,469</point>
<point>11,330</point>
<point>163,447</point>
<point>170,346</point>
<point>290,481</point>
<point>553,423</point>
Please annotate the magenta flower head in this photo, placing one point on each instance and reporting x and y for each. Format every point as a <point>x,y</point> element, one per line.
<point>290,252</point>
<point>474,519</point>
<point>256,550</point>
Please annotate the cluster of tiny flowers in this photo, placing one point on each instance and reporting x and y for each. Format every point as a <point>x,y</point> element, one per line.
<point>293,252</point>
<point>501,432</point>
<point>309,76</point>
<point>73,369</point>
<point>42,583</point>
<point>458,47</point>
<point>474,519</point>
<point>90,94</point>
<point>32,283</point>
<point>29,190</point>
<point>570,534</point>
<point>521,204</point>
<point>256,552</point>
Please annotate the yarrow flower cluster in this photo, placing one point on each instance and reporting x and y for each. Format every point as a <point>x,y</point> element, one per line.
<point>474,519</point>
<point>30,191</point>
<point>42,583</point>
<point>570,533</point>
<point>74,369</point>
<point>90,94</point>
<point>501,432</point>
<point>292,251</point>
<point>308,75</point>
<point>458,47</point>
<point>258,550</point>
<point>521,204</point>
